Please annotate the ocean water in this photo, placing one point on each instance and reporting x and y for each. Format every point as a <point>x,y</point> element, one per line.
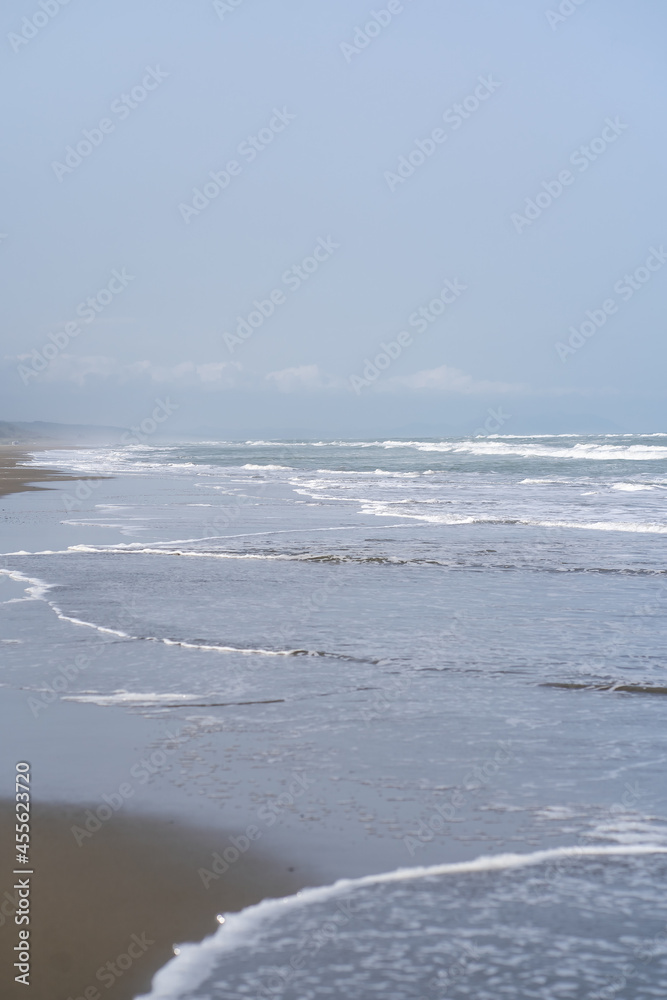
<point>454,649</point>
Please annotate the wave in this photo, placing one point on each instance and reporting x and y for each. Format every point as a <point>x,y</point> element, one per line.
<point>384,509</point>
<point>195,962</point>
<point>631,487</point>
<point>36,589</point>
<point>314,557</point>
<point>543,482</point>
<point>267,468</point>
<point>606,448</point>
<point>143,699</point>
<point>328,558</point>
<point>580,451</point>
<point>616,686</point>
<point>374,472</point>
<point>504,445</point>
<point>408,442</point>
<point>130,546</point>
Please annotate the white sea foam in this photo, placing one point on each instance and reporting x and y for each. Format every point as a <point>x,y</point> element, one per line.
<point>79,621</point>
<point>147,698</point>
<point>520,447</point>
<point>580,451</point>
<point>631,487</point>
<point>225,649</point>
<point>185,553</point>
<point>385,509</point>
<point>390,474</point>
<point>629,830</point>
<point>609,447</point>
<point>36,589</point>
<point>240,556</point>
<point>134,546</point>
<point>267,468</point>
<point>184,644</point>
<point>184,973</point>
<point>131,698</point>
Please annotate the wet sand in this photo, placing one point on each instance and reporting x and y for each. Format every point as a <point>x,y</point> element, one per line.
<point>106,913</point>
<point>17,475</point>
<point>128,892</point>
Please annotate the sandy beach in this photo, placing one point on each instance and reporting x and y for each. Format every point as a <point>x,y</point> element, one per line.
<point>132,889</point>
<point>17,475</point>
<point>151,626</point>
<point>333,502</point>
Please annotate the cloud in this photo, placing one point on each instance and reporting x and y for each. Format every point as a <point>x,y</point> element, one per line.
<point>306,377</point>
<point>218,376</point>
<point>445,379</point>
<point>70,368</point>
<point>223,374</point>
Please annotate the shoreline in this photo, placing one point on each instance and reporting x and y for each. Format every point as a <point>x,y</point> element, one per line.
<point>130,891</point>
<point>18,476</point>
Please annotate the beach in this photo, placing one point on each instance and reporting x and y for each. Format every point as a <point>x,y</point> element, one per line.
<point>137,871</point>
<point>338,661</point>
<point>132,890</point>
<point>17,475</point>
<point>333,502</point>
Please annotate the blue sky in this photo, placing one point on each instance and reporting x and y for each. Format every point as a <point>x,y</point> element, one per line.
<point>369,159</point>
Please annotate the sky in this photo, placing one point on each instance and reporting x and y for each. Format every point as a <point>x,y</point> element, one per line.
<point>334,219</point>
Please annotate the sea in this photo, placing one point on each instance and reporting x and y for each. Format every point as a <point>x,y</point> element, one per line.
<point>435,669</point>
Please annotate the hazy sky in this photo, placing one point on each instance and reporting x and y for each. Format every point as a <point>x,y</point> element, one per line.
<point>499,166</point>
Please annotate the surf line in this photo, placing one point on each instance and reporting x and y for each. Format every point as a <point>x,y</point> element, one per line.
<point>130,547</point>
<point>194,962</point>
